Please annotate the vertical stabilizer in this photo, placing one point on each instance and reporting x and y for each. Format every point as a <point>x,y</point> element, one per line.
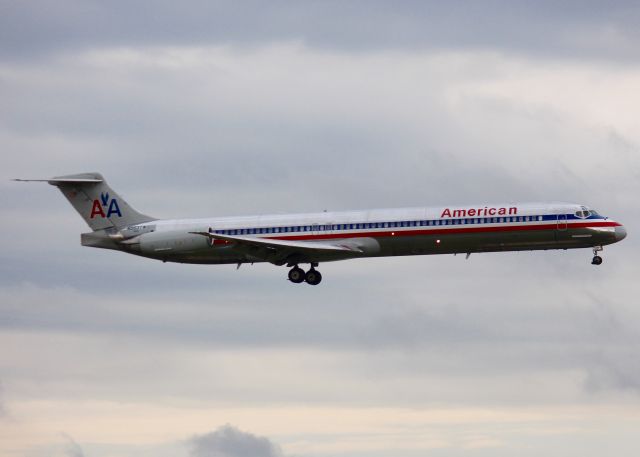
<point>99,205</point>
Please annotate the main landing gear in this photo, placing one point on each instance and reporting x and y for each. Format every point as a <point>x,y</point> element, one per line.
<point>597,260</point>
<point>313,276</point>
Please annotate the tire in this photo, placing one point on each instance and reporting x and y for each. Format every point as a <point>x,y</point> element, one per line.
<point>296,275</point>
<point>313,277</point>
<point>597,260</point>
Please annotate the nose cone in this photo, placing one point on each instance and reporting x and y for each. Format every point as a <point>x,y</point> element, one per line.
<point>621,233</point>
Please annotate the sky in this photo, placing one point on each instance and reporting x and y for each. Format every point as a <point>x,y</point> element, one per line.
<point>194,109</point>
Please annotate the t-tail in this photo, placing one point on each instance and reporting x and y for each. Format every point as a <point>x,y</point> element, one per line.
<point>99,205</point>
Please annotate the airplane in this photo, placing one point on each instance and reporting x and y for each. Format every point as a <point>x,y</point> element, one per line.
<point>312,238</point>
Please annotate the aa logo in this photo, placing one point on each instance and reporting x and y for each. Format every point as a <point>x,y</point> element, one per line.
<point>98,208</point>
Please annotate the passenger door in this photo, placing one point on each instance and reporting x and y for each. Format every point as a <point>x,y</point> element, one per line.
<point>561,228</point>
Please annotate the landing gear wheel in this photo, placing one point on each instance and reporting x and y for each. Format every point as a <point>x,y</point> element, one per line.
<point>597,260</point>
<point>296,275</point>
<point>313,277</point>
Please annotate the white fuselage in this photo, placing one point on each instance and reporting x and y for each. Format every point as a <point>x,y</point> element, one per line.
<point>378,232</point>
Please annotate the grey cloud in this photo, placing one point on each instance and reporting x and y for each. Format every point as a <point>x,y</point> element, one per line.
<point>293,128</point>
<point>608,370</point>
<point>3,411</point>
<point>72,449</point>
<point>229,441</point>
<point>583,29</point>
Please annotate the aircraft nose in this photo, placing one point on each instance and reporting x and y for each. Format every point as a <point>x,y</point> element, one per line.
<point>621,233</point>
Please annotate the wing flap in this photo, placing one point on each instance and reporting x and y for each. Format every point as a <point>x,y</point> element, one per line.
<point>278,251</point>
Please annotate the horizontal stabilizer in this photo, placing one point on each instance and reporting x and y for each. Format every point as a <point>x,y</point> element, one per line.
<point>58,181</point>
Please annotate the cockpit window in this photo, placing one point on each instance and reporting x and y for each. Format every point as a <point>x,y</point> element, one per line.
<point>585,212</point>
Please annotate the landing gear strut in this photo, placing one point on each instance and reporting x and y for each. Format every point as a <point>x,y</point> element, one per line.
<point>597,260</point>
<point>312,277</point>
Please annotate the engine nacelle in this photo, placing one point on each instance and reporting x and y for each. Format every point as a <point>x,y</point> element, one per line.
<point>164,244</point>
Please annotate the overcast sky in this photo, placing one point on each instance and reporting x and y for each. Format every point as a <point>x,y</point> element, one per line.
<point>213,108</point>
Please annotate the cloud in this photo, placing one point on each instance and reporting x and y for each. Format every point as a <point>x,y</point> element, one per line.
<point>3,411</point>
<point>573,29</point>
<point>248,109</point>
<point>72,449</point>
<point>229,441</point>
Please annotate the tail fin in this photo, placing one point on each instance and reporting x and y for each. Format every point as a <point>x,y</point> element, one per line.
<point>99,205</point>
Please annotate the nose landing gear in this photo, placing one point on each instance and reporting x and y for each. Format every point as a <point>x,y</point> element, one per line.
<point>311,277</point>
<point>597,260</point>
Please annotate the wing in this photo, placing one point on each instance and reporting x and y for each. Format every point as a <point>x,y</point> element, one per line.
<point>280,252</point>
